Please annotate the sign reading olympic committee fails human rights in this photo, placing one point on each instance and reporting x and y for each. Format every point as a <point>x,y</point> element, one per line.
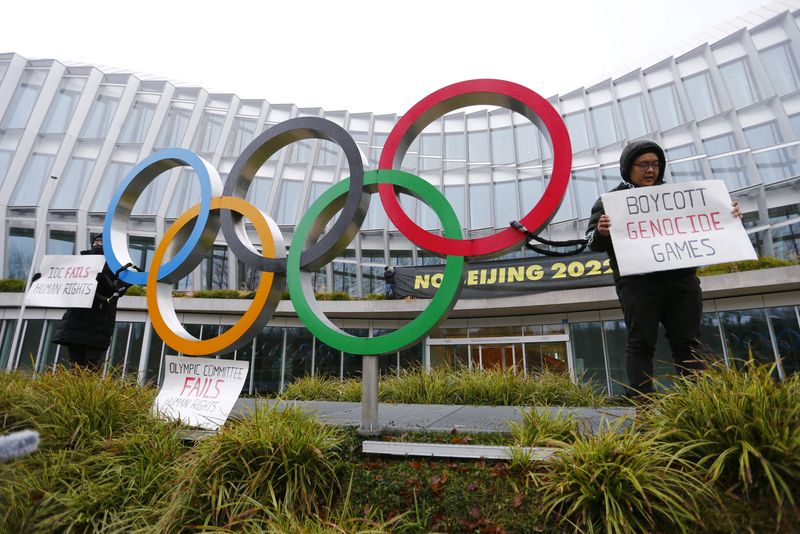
<point>674,226</point>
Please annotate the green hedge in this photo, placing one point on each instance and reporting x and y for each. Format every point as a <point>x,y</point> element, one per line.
<point>747,265</point>
<point>12,285</point>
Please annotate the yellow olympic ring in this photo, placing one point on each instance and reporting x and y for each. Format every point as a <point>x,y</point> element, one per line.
<point>159,294</point>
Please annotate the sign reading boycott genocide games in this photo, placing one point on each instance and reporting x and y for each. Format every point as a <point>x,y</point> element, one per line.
<point>200,391</point>
<point>66,282</point>
<point>674,226</point>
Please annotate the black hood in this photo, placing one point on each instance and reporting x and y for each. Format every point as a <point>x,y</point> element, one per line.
<point>636,149</point>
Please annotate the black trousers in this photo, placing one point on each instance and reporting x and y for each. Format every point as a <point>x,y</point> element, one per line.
<point>673,299</point>
<point>87,356</point>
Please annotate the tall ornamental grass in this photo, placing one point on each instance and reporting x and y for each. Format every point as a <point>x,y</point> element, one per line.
<point>622,482</point>
<point>543,428</point>
<point>271,460</point>
<point>74,409</point>
<point>742,426</point>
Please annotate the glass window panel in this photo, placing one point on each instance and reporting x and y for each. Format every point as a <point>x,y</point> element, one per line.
<point>72,183</point>
<point>20,252</point>
<point>731,169</point>
<point>117,349</point>
<point>102,112</point>
<point>215,268</point>
<point>150,200</point>
<point>32,179</point>
<point>683,151</point>
<point>455,196</point>
<point>137,123</point>
<point>781,67</point>
<point>8,337</point>
<point>739,83</point>
<point>455,146</point>
<point>505,203</point>
<point>584,186</point>
<point>344,277</point>
<point>376,215</point>
<point>665,103</point>
<point>328,153</point>
<point>701,96</point>
<point>187,193</point>
<point>479,207</point>
<point>63,106</point>
<point>787,337</point>
<point>300,152</point>
<point>174,126</point>
<point>327,360</point>
<point>288,201</point>
<point>746,335</point>
<point>576,125</point>
<point>299,343</point>
<point>49,349</point>
<point>351,367</point>
<point>776,165</point>
<point>242,132</point>
<point>30,344</point>
<point>268,360</point>
<point>431,144</point>
<point>411,358</point>
<point>783,213</point>
<point>710,340</point>
<point>208,132</point>
<point>611,178</point>
<point>527,142</point>
<point>502,146</point>
<point>3,69</point>
<point>154,359</point>
<point>686,171</point>
<point>61,243</point>
<point>794,120</point>
<point>786,241</point>
<point>478,145</point>
<point>530,191</point>
<point>605,129</point>
<point>565,210</point>
<point>141,250</point>
<point>21,105</point>
<point>115,173</point>
<point>634,116</point>
<point>590,364</point>
<point>763,135</point>
<point>372,280</point>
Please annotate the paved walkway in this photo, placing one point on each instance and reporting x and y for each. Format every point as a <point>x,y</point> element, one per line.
<point>433,417</point>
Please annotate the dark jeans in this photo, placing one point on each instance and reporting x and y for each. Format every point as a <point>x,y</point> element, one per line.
<point>390,287</point>
<point>676,301</point>
<point>86,356</point>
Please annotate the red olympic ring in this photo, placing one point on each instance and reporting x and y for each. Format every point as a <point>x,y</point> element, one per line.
<point>487,92</point>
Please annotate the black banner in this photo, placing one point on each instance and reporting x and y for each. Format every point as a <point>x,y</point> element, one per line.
<point>509,278</point>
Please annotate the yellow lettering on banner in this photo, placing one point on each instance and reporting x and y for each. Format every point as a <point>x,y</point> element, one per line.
<point>516,274</point>
<point>534,272</point>
<point>492,277</point>
<point>436,279</point>
<point>472,278</point>
<point>483,276</point>
<point>502,273</point>
<point>422,281</point>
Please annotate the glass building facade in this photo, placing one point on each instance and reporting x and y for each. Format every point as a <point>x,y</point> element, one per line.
<point>69,134</point>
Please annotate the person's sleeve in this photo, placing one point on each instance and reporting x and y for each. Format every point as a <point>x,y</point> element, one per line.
<point>595,241</point>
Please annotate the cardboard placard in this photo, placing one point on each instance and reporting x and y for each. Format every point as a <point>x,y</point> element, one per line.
<point>66,282</point>
<point>665,227</point>
<point>200,392</point>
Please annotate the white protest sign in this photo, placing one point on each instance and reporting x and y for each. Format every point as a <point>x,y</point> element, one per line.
<point>200,391</point>
<point>673,226</point>
<point>66,282</point>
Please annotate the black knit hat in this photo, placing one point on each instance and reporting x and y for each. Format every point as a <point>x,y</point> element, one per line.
<point>634,150</point>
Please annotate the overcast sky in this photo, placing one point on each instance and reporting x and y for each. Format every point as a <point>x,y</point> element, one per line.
<point>360,55</point>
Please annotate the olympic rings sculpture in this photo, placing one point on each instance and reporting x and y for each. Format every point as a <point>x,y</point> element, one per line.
<point>192,235</point>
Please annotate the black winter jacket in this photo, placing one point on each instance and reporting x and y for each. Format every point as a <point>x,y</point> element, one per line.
<point>93,326</point>
<point>600,243</point>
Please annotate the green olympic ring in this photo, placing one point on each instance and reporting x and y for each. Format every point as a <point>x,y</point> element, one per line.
<point>310,228</point>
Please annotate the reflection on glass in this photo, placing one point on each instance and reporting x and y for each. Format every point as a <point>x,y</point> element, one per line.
<point>288,201</point>
<point>299,344</point>
<point>20,252</point>
<point>242,132</point>
<point>786,241</point>
<point>450,356</point>
<point>747,336</point>
<point>72,183</point>
<point>587,346</point>
<point>584,186</point>
<point>773,165</point>
<point>208,132</point>
<point>478,145</point>
<point>30,344</point>
<point>502,146</point>
<point>701,96</point>
<point>268,360</point>
<point>665,103</point>
<point>117,349</point>
<point>505,203</point>
<point>576,125</point>
<point>479,207</point>
<point>32,179</point>
<point>605,128</point>
<point>21,105</point>
<point>634,116</point>
<point>738,81</point>
<point>787,336</point>
<point>115,172</point>
<point>327,360</point>
<point>781,67</point>
<point>102,112</point>
<point>174,126</point>
<point>137,123</point>
<point>215,268</point>
<point>63,106</point>
<point>61,243</point>
<point>527,142</point>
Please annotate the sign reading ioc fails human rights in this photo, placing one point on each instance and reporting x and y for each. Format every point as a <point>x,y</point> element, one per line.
<point>674,226</point>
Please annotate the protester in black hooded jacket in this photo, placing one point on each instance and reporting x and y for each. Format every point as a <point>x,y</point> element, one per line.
<point>86,332</point>
<point>672,298</point>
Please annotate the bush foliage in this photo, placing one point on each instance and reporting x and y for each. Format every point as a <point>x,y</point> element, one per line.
<point>12,285</point>
<point>746,265</point>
